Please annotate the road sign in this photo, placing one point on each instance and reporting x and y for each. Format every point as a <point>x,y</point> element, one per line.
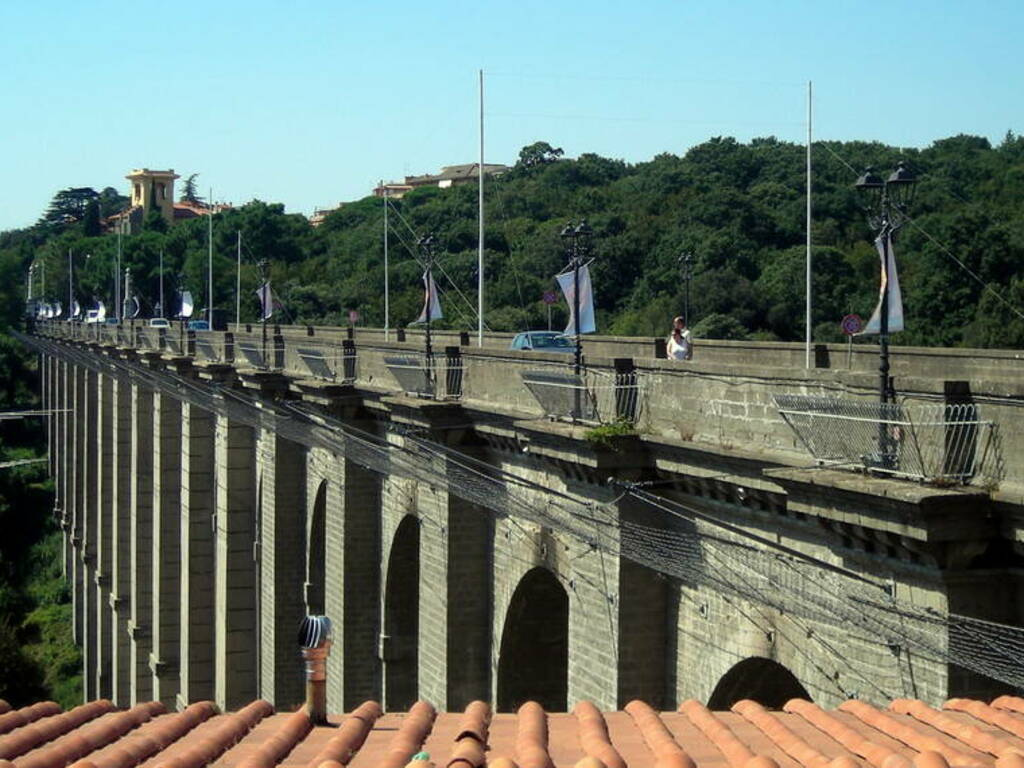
<point>353,316</point>
<point>550,297</point>
<point>852,325</point>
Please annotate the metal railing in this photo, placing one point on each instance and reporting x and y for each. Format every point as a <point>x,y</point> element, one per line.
<point>942,443</point>
<point>593,396</point>
<point>438,376</point>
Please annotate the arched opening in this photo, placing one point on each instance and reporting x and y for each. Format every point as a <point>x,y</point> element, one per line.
<point>316,557</point>
<point>401,618</point>
<point>765,681</point>
<point>534,661</point>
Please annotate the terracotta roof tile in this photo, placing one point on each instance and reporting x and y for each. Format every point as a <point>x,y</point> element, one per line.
<point>964,734</point>
<point>18,718</point>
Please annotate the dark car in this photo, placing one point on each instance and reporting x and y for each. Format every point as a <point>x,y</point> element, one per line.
<point>542,341</point>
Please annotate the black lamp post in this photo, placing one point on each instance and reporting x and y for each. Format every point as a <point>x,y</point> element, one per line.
<point>577,248</point>
<point>887,205</point>
<point>427,245</point>
<point>181,307</point>
<point>686,267</point>
<point>262,265</point>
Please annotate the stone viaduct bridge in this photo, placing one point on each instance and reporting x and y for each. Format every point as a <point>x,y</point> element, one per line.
<point>473,533</point>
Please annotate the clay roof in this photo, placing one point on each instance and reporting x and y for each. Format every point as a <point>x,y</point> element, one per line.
<point>907,734</point>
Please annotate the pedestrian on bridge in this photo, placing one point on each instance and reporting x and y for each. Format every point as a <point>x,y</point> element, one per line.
<point>680,342</point>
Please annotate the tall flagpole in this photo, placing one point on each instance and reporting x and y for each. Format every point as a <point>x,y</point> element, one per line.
<point>238,285</point>
<point>480,235</point>
<point>209,266</point>
<point>807,318</point>
<point>117,273</point>
<point>71,289</point>
<point>163,309</point>
<point>387,293</point>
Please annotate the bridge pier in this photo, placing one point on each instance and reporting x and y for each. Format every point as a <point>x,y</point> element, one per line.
<point>236,591</point>
<point>105,548</point>
<point>167,516</point>
<point>197,565</point>
<point>141,624</point>
<point>121,581</point>
<point>280,549</point>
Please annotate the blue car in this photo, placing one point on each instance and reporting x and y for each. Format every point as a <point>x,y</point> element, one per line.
<point>198,325</point>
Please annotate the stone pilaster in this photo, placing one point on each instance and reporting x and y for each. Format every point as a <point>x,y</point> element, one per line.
<point>105,545</point>
<point>167,452</point>
<point>76,383</point>
<point>121,582</point>
<point>197,566</point>
<point>235,644</point>
<point>141,626</point>
<point>360,585</point>
<point>282,495</point>
<point>90,536</point>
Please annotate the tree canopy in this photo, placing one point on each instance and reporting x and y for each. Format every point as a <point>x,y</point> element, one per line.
<point>737,207</point>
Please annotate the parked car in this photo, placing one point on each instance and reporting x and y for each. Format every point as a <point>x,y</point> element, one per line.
<point>198,325</point>
<point>92,316</point>
<point>543,341</point>
<point>159,322</point>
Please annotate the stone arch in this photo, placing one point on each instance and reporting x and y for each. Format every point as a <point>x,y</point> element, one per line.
<point>534,659</point>
<point>762,680</point>
<point>401,618</point>
<point>316,553</point>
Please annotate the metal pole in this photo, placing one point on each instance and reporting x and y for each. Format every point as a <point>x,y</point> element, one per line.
<point>578,352</point>
<point>209,265</point>
<point>117,271</point>
<point>807,318</point>
<point>883,342</point>
<point>163,309</point>
<point>71,289</point>
<point>429,248</point>
<point>387,292</point>
<point>238,285</point>
<point>480,235</point>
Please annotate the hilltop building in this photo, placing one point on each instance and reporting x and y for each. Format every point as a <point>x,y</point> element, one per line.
<point>450,175</point>
<point>155,190</point>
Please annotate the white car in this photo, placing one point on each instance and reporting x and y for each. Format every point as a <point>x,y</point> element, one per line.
<point>159,322</point>
<point>92,316</point>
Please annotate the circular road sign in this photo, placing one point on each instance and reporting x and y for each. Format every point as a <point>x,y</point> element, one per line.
<point>550,297</point>
<point>852,325</point>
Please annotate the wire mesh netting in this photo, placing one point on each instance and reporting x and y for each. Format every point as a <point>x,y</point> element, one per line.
<point>673,538</point>
<point>935,442</point>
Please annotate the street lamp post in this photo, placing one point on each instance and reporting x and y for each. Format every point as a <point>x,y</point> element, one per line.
<point>686,267</point>
<point>263,309</point>
<point>887,205</point>
<point>181,307</point>
<point>577,249</point>
<point>427,245</point>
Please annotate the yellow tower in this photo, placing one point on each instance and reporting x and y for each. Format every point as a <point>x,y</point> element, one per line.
<point>154,189</point>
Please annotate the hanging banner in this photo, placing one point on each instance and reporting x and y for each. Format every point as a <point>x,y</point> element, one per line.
<point>891,283</point>
<point>135,307</point>
<point>101,312</point>
<point>186,304</point>
<point>58,310</point>
<point>76,309</point>
<point>431,302</point>
<point>267,302</point>
<point>566,283</point>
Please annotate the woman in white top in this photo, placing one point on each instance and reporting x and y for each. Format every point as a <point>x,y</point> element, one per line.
<point>680,345</point>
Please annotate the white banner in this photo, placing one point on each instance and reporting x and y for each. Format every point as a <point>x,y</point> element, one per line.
<point>101,312</point>
<point>566,283</point>
<point>186,304</point>
<point>891,283</point>
<point>266,297</point>
<point>134,307</point>
<point>431,302</point>
<point>76,309</point>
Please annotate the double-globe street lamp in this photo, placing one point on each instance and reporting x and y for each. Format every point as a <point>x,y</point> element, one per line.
<point>887,204</point>
<point>686,272</point>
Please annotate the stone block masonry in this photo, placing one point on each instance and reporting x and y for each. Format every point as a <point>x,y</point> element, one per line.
<point>202,524</point>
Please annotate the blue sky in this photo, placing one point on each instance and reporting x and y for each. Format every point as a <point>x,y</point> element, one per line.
<point>309,103</point>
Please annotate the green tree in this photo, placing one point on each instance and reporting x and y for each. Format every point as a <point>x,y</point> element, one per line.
<point>189,191</point>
